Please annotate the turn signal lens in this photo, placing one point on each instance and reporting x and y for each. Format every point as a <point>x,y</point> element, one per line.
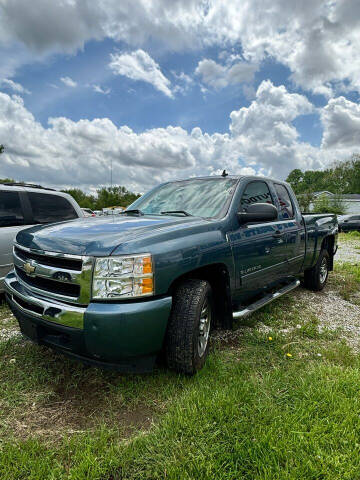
<point>147,286</point>
<point>147,265</point>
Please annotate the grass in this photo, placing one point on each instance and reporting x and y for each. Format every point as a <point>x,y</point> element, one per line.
<point>279,398</point>
<point>353,235</point>
<point>349,237</point>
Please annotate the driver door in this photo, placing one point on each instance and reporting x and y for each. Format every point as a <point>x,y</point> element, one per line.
<point>259,249</point>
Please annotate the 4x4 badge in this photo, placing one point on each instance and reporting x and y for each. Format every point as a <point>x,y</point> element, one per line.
<point>29,268</point>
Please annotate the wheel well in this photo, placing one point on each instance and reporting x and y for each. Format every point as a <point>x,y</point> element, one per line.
<point>218,277</point>
<point>328,244</point>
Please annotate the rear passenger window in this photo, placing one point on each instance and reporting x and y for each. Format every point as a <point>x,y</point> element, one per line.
<point>255,192</point>
<point>50,208</point>
<point>11,213</point>
<point>286,207</point>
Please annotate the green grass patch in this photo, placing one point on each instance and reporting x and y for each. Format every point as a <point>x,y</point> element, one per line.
<point>349,237</point>
<point>252,414</point>
<point>278,399</point>
<point>354,234</point>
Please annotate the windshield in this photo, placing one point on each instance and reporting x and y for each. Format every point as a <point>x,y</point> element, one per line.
<point>198,197</point>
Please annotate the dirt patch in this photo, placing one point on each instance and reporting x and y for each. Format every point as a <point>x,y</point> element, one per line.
<point>77,411</point>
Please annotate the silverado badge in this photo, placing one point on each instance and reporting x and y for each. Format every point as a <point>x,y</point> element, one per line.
<point>29,269</point>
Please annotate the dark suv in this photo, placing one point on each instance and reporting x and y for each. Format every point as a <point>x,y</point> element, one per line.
<point>25,205</point>
<point>349,223</point>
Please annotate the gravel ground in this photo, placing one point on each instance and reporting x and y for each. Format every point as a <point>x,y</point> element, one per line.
<point>334,313</point>
<point>348,251</point>
<point>8,326</point>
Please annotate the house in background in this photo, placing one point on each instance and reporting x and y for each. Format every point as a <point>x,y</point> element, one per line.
<point>350,200</point>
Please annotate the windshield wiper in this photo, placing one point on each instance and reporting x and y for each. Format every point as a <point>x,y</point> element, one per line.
<point>133,210</point>
<point>186,214</point>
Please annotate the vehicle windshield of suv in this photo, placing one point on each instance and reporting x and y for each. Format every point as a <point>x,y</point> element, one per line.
<point>197,197</point>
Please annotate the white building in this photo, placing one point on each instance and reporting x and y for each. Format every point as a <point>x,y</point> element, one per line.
<point>351,201</point>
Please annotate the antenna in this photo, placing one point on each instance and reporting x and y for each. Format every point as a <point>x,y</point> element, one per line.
<point>224,173</point>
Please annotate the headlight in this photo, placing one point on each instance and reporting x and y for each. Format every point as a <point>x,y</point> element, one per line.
<point>123,277</point>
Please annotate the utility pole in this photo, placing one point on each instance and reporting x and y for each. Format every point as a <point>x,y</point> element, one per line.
<point>111,168</point>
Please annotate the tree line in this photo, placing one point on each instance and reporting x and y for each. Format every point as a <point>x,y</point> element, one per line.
<point>116,196</point>
<point>341,178</point>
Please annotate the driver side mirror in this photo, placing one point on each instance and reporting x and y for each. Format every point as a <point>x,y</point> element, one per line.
<point>258,212</point>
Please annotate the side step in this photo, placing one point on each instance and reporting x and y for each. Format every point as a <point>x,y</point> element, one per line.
<point>265,300</point>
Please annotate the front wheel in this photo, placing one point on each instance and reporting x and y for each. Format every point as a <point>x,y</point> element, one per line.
<point>315,279</point>
<point>187,338</point>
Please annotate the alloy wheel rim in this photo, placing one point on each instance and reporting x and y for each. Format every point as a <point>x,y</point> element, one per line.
<point>323,270</point>
<point>204,329</point>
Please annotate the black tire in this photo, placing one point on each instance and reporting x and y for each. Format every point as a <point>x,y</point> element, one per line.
<point>182,347</point>
<point>314,278</point>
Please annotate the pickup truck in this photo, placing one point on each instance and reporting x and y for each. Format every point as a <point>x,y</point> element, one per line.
<point>186,257</point>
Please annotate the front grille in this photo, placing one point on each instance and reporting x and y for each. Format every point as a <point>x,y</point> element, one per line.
<point>52,286</point>
<point>51,261</point>
<point>59,276</point>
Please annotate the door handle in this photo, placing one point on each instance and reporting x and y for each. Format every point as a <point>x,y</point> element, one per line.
<point>278,234</point>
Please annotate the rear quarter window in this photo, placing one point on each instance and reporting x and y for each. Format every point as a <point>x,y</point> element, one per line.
<point>48,208</point>
<point>11,213</point>
<point>286,206</point>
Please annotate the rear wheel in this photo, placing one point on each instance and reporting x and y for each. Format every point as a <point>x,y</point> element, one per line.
<point>187,338</point>
<point>315,278</point>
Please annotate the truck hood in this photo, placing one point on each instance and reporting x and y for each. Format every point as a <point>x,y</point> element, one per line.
<point>99,236</point>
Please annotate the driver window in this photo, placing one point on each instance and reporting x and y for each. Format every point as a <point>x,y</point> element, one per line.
<point>255,192</point>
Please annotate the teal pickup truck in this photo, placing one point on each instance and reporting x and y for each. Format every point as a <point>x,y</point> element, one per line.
<point>186,257</point>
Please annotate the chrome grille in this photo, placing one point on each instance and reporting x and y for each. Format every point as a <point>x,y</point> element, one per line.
<point>56,275</point>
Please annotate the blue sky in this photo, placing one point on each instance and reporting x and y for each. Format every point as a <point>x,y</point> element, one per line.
<point>175,89</point>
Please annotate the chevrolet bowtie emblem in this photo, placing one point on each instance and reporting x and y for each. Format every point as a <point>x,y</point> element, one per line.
<point>29,268</point>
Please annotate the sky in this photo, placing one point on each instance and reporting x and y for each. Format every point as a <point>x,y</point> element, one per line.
<point>164,90</point>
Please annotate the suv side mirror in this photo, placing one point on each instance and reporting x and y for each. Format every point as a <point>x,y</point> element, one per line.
<point>258,212</point>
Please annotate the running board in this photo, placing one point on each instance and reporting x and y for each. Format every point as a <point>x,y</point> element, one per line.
<point>264,301</point>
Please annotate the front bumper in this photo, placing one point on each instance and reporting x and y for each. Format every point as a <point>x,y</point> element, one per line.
<point>125,336</point>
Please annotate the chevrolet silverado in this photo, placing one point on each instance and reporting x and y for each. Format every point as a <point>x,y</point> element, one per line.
<point>188,256</point>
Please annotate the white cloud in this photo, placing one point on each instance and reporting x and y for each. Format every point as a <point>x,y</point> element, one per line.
<point>341,121</point>
<point>11,85</point>
<point>140,66</point>
<point>319,41</point>
<point>261,139</point>
<point>99,89</point>
<point>69,82</point>
<point>220,76</point>
<point>265,135</point>
<point>184,82</point>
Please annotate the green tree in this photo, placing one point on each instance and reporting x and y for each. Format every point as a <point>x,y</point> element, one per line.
<point>116,196</point>
<point>305,199</point>
<point>2,148</point>
<point>329,204</point>
<point>7,180</point>
<point>341,177</point>
<point>295,179</point>
<point>83,199</point>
